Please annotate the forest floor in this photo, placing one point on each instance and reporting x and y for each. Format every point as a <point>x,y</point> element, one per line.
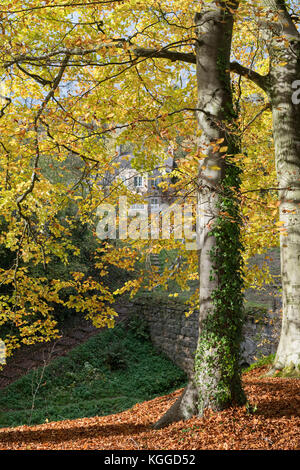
<point>272,423</point>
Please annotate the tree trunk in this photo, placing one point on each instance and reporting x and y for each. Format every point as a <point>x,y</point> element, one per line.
<point>216,382</point>
<point>284,71</point>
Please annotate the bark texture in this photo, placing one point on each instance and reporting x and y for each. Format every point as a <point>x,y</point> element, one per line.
<point>217,374</point>
<point>216,381</point>
<point>283,42</point>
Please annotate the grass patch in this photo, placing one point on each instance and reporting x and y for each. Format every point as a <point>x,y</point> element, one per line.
<point>263,361</point>
<point>108,374</point>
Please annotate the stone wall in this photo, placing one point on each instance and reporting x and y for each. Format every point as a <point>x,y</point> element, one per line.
<point>176,335</point>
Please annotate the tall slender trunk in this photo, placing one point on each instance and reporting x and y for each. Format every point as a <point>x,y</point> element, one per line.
<point>217,359</point>
<point>216,380</point>
<point>283,41</point>
<point>286,128</point>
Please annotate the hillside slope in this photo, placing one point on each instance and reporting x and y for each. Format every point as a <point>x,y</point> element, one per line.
<point>274,423</point>
<point>109,373</point>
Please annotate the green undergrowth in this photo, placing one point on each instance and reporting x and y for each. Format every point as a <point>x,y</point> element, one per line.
<point>261,362</point>
<point>108,374</point>
<point>289,372</point>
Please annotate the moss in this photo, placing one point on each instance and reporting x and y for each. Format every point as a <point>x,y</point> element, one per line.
<point>218,350</point>
<point>290,371</point>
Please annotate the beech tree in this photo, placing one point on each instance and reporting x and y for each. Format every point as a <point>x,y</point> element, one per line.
<point>276,27</point>
<point>283,44</point>
<point>77,76</point>
<point>216,381</point>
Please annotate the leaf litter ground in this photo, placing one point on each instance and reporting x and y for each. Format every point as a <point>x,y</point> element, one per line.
<point>274,424</point>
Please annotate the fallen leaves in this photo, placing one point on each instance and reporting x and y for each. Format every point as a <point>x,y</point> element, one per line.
<point>275,424</point>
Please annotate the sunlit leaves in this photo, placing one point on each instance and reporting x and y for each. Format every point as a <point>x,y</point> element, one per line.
<point>106,97</point>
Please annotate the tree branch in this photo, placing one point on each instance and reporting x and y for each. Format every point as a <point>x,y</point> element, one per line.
<point>34,177</point>
<point>255,77</point>
<point>173,56</point>
<point>266,107</point>
<point>284,24</point>
<point>162,53</point>
<point>8,101</point>
<point>39,79</point>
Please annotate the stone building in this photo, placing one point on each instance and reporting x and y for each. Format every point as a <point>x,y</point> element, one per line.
<point>143,184</point>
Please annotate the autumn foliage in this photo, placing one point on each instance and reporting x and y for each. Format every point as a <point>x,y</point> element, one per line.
<point>76,83</point>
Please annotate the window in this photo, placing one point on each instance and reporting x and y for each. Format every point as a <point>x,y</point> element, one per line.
<point>155,183</point>
<point>154,202</point>
<point>138,181</point>
<point>123,178</point>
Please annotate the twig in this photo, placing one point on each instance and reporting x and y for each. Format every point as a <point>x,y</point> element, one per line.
<point>34,392</point>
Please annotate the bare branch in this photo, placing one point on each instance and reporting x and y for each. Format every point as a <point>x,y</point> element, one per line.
<point>8,101</point>
<point>265,108</point>
<point>39,79</point>
<point>163,53</point>
<point>37,117</point>
<point>255,77</point>
<point>62,5</point>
